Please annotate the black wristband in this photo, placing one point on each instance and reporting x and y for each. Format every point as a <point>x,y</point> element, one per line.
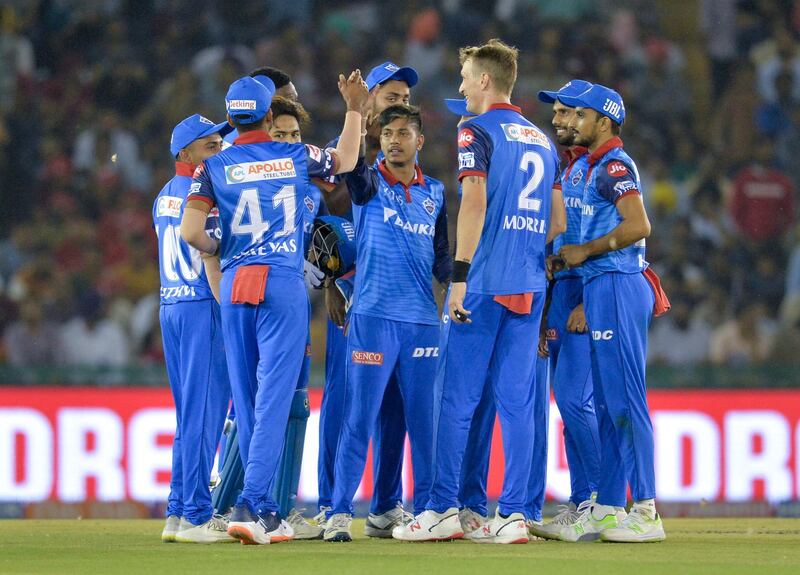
<point>460,271</point>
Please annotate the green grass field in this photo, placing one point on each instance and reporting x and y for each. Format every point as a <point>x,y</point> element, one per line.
<point>725,546</point>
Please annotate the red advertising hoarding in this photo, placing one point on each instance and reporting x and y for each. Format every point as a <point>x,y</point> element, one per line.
<point>88,444</point>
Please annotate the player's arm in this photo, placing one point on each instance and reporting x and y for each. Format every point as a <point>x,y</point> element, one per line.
<point>471,215</point>
<point>558,215</point>
<point>361,183</point>
<point>442,264</point>
<point>355,94</point>
<point>195,214</point>
<point>213,274</point>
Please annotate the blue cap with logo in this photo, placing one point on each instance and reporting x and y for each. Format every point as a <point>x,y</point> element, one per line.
<point>458,106</point>
<point>571,88</point>
<point>391,71</point>
<point>267,81</point>
<point>193,128</point>
<point>248,100</point>
<point>603,100</point>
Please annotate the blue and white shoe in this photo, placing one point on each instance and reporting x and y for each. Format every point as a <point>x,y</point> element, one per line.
<point>247,527</point>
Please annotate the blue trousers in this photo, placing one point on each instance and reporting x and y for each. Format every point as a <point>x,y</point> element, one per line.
<point>195,358</point>
<point>475,467</point>
<point>537,483</point>
<point>572,386</point>
<point>265,346</point>
<point>377,349</point>
<point>619,308</point>
<point>388,438</point>
<point>499,349</point>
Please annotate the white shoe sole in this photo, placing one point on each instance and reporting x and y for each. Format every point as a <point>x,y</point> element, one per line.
<point>179,539</point>
<point>247,533</point>
<point>515,540</point>
<point>627,538</point>
<point>168,537</point>
<point>543,532</point>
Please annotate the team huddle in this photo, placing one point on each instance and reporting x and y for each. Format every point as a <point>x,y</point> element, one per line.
<point>548,286</point>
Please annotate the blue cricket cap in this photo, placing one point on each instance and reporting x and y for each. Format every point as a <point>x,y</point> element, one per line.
<point>193,128</point>
<point>391,71</point>
<point>458,106</point>
<point>603,100</point>
<point>571,88</point>
<point>248,100</point>
<point>267,81</point>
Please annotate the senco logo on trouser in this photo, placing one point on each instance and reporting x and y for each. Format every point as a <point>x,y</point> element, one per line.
<point>426,352</point>
<point>367,357</point>
<point>603,335</point>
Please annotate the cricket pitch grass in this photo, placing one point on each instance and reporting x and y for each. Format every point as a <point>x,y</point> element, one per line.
<point>729,546</point>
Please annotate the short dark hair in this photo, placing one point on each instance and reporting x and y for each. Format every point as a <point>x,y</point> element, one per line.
<point>392,113</point>
<point>284,107</point>
<point>278,77</point>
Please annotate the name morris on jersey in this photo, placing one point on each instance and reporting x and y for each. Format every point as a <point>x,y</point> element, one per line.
<point>391,216</point>
<point>525,224</point>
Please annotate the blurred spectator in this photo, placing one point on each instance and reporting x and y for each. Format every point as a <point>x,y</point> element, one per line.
<point>772,118</point>
<point>718,23</point>
<point>762,204</point>
<point>89,339</point>
<point>679,338</point>
<point>32,339</point>
<point>777,55</point>
<point>745,339</point>
<point>16,54</point>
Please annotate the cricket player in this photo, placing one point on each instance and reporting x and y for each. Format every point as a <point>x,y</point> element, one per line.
<point>619,301</point>
<point>192,337</point>
<point>401,235</point>
<point>389,84</point>
<point>258,186</point>
<point>507,168</point>
<point>567,337</point>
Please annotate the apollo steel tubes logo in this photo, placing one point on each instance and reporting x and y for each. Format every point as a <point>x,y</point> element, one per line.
<point>258,171</point>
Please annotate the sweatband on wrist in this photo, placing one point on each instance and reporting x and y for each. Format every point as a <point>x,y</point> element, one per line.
<point>460,271</point>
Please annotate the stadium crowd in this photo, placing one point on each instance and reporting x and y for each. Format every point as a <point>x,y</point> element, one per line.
<point>89,92</point>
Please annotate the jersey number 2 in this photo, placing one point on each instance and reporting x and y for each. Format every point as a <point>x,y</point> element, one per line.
<point>249,202</point>
<point>526,202</point>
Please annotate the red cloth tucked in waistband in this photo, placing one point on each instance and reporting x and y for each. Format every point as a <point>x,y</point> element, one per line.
<point>661,305</point>
<point>518,303</point>
<point>249,284</point>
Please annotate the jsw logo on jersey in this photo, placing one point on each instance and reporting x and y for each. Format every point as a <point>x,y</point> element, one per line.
<point>425,352</point>
<point>270,248</point>
<point>524,223</point>
<point>605,335</point>
<point>525,135</point>
<point>391,216</point>
<point>258,171</point>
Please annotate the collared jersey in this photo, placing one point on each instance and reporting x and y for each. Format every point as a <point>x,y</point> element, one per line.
<point>182,275</point>
<point>612,176</point>
<point>573,182</point>
<point>520,165</point>
<point>259,187</point>
<point>401,240</point>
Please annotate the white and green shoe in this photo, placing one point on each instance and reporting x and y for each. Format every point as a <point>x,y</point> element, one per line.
<point>638,527</point>
<point>567,514</point>
<point>589,526</point>
<point>170,529</point>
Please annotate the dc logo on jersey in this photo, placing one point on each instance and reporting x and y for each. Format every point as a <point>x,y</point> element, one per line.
<point>429,205</point>
<point>465,138</point>
<point>466,160</point>
<point>309,204</point>
<point>169,206</point>
<point>314,152</point>
<point>616,169</point>
<point>577,177</point>
<point>605,335</point>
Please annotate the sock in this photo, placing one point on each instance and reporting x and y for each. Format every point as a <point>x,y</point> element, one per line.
<point>646,507</point>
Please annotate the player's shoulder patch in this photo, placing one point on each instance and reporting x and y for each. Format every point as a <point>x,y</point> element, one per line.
<point>314,152</point>
<point>465,137</point>
<point>198,171</point>
<point>616,169</point>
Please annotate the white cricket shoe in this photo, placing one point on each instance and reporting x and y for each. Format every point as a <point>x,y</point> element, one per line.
<point>638,527</point>
<point>337,528</point>
<point>511,529</point>
<point>320,518</point>
<point>278,529</point>
<point>247,527</point>
<point>431,526</point>
<point>302,528</point>
<point>532,524</point>
<point>215,530</point>
<point>170,529</point>
<point>471,522</point>
<point>567,514</point>
<point>589,526</point>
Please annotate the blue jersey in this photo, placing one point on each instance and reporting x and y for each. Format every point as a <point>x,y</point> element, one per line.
<point>401,239</point>
<point>182,275</point>
<point>612,176</point>
<point>573,182</point>
<point>259,187</point>
<point>313,207</point>
<point>520,165</point>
